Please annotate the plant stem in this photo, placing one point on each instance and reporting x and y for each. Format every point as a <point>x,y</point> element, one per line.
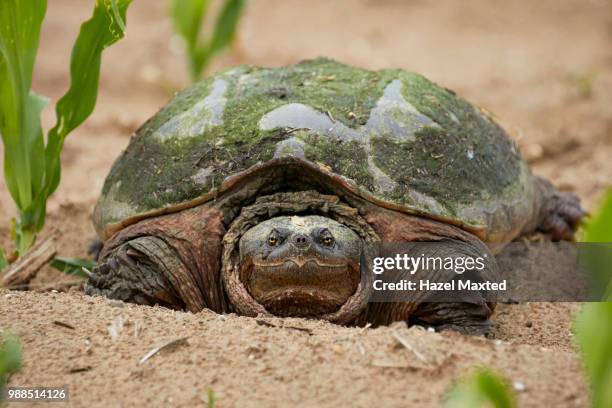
<point>26,236</point>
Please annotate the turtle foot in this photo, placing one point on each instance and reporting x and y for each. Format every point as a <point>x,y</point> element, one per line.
<point>136,272</point>
<point>561,214</point>
<point>463,317</point>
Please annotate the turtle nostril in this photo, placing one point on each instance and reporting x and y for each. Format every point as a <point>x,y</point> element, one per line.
<point>301,240</point>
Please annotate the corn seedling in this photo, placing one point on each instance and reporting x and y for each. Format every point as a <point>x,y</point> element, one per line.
<point>10,359</point>
<point>592,327</point>
<point>582,84</point>
<point>212,399</point>
<point>482,388</point>
<point>188,18</point>
<point>73,266</point>
<point>31,167</point>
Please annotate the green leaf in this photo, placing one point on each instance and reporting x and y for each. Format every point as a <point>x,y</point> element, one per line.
<point>212,399</point>
<point>599,229</point>
<point>3,260</point>
<point>593,332</point>
<point>31,170</point>
<point>105,27</point>
<point>10,357</point>
<point>481,389</point>
<point>73,266</point>
<point>20,23</point>
<point>597,256</point>
<point>592,328</point>
<point>226,25</point>
<point>188,18</point>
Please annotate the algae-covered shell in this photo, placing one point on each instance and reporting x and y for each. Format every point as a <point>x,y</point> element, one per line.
<point>391,136</point>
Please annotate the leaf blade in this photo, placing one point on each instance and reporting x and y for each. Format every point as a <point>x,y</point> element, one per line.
<point>105,27</point>
<point>226,25</point>
<point>11,357</point>
<point>594,336</point>
<point>599,229</point>
<point>187,18</point>
<point>482,388</point>
<point>73,266</point>
<point>592,328</point>
<point>20,24</point>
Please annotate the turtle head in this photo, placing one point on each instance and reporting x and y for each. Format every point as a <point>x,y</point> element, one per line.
<point>300,265</point>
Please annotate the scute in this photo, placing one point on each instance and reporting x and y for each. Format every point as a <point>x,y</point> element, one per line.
<point>396,138</point>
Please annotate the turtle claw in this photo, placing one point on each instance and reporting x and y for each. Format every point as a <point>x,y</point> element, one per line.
<point>94,248</point>
<point>561,216</point>
<point>475,329</point>
<point>463,317</point>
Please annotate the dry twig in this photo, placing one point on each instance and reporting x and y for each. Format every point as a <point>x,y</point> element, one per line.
<point>170,344</point>
<point>262,322</point>
<point>25,268</point>
<point>62,324</point>
<point>409,346</point>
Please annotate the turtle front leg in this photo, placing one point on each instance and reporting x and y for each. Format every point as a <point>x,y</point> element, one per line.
<point>559,213</point>
<point>171,260</point>
<point>467,311</point>
<point>464,311</point>
<point>470,318</point>
<point>139,271</point>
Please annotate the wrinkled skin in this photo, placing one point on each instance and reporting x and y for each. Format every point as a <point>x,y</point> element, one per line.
<point>300,266</point>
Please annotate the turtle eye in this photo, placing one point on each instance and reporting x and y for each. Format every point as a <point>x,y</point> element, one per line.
<point>327,238</point>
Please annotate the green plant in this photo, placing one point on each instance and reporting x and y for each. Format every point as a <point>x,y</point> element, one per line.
<point>482,388</point>
<point>212,399</point>
<point>188,18</point>
<point>597,256</point>
<point>31,168</point>
<point>3,261</point>
<point>593,325</point>
<point>593,332</point>
<point>10,358</point>
<point>582,83</point>
<point>73,266</point>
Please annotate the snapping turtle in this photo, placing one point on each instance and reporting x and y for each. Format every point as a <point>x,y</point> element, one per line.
<point>255,191</point>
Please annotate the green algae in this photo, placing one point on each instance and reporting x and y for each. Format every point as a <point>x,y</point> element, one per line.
<point>465,158</point>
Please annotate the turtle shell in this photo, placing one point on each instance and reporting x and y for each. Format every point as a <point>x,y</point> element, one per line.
<point>390,136</point>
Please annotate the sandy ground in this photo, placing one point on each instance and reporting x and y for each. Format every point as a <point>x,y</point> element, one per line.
<point>544,68</point>
<point>249,363</point>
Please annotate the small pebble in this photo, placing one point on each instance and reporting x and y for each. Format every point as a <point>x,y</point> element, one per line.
<point>528,324</point>
<point>431,330</point>
<point>116,303</point>
<point>519,386</point>
<point>338,349</point>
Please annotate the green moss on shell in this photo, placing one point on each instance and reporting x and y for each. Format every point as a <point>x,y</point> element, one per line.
<point>464,159</point>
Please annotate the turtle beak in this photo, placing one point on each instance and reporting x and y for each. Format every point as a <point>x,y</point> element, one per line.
<point>301,286</point>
